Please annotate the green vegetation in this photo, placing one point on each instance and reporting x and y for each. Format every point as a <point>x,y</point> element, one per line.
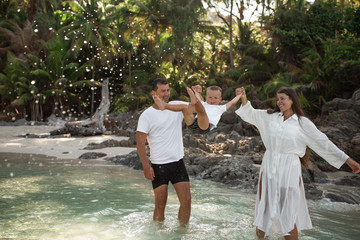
<point>55,54</point>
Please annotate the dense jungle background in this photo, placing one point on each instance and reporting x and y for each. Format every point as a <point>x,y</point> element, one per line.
<point>55,54</point>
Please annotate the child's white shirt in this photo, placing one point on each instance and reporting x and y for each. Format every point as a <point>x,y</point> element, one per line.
<point>214,113</point>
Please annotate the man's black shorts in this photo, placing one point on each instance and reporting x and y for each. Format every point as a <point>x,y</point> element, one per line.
<point>174,172</point>
<point>196,129</point>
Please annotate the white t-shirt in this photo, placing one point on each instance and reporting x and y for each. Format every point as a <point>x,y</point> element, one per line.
<point>164,130</point>
<point>214,113</point>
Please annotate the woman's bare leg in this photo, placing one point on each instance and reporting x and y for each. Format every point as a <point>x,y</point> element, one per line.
<point>293,234</point>
<point>259,233</point>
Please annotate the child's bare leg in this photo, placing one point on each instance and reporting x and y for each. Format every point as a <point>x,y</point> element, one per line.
<point>187,110</point>
<point>188,115</point>
<point>197,94</point>
<point>203,120</point>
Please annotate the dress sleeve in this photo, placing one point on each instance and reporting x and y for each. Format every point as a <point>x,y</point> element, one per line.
<point>321,144</point>
<point>250,115</point>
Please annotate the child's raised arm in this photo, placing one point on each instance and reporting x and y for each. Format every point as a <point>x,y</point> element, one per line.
<point>238,93</point>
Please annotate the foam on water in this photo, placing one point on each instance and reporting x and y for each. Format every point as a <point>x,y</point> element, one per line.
<point>72,200</point>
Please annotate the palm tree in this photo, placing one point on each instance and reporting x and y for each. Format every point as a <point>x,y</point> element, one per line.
<point>91,32</point>
<point>20,85</point>
<point>13,10</point>
<point>153,16</point>
<point>19,40</point>
<point>63,74</point>
<point>20,47</point>
<point>228,21</point>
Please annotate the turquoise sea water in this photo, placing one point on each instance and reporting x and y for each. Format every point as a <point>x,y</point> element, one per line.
<point>46,198</point>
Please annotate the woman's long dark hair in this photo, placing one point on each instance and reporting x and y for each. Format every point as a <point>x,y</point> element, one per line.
<point>296,107</point>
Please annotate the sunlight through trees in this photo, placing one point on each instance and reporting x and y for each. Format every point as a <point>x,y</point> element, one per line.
<point>55,54</point>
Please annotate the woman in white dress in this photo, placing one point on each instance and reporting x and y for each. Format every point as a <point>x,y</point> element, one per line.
<point>280,203</point>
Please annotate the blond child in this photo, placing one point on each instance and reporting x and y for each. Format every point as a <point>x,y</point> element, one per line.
<point>208,112</point>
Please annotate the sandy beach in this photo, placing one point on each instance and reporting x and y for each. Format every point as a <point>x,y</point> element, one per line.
<point>12,140</point>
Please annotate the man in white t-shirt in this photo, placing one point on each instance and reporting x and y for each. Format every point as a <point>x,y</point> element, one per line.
<point>163,132</point>
<point>208,112</point>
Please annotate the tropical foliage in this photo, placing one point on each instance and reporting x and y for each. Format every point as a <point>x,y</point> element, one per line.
<point>55,54</point>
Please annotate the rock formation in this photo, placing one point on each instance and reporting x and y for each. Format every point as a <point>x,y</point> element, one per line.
<point>232,152</point>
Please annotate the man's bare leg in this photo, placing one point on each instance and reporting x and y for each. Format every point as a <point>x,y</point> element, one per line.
<point>161,194</point>
<point>203,120</point>
<point>183,192</point>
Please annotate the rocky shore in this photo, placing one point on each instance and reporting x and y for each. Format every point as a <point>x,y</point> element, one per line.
<point>232,153</point>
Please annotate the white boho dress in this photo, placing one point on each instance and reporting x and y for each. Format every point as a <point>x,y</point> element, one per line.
<point>282,203</point>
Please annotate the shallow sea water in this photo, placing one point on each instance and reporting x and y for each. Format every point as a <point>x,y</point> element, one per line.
<point>47,198</point>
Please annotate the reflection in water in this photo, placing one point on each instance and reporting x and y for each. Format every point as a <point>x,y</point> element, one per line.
<point>46,198</point>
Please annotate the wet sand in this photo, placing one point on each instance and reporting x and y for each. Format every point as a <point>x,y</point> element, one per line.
<point>12,140</point>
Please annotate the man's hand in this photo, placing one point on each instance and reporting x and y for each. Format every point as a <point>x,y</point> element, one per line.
<point>149,173</point>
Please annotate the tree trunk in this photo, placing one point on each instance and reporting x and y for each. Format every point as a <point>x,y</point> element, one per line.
<point>92,94</point>
<point>32,9</point>
<point>129,56</point>
<point>231,38</point>
<point>93,125</point>
<point>32,111</point>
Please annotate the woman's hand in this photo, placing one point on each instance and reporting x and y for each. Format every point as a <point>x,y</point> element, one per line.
<point>241,92</point>
<point>355,166</point>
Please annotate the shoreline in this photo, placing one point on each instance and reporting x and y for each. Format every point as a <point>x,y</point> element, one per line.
<point>13,140</point>
<point>224,169</point>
